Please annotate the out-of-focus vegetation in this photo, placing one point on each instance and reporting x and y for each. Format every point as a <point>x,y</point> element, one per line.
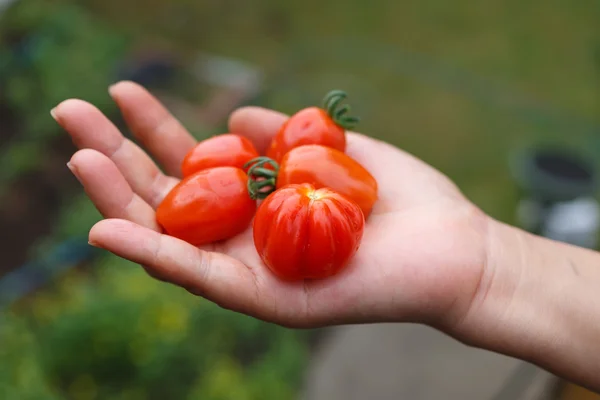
<point>48,54</point>
<point>56,53</point>
<point>119,334</point>
<point>459,84</point>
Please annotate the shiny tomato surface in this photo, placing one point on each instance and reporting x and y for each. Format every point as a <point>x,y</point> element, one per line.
<point>309,126</point>
<point>324,167</point>
<point>305,233</point>
<point>228,150</point>
<point>208,206</point>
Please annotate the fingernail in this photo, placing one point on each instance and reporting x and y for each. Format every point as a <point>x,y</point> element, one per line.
<point>73,170</point>
<point>111,89</point>
<point>53,114</point>
<point>94,244</point>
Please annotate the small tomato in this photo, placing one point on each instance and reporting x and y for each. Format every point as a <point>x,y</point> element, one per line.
<point>228,150</point>
<point>305,233</point>
<point>208,206</point>
<point>320,166</point>
<point>325,126</point>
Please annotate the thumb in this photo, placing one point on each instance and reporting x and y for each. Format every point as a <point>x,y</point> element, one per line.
<point>214,276</point>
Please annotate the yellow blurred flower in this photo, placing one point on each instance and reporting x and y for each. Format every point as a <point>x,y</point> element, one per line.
<point>173,319</point>
<point>225,380</point>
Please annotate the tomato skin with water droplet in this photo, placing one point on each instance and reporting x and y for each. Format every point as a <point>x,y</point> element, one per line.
<point>227,150</point>
<point>208,206</point>
<point>301,232</point>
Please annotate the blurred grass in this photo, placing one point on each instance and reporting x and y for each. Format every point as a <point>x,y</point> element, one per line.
<point>458,84</point>
<point>57,53</point>
<point>117,333</point>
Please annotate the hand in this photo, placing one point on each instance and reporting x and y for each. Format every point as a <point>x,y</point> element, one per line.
<point>422,259</point>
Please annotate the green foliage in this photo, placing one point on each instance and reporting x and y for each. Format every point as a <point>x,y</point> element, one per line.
<point>21,375</point>
<point>122,335</point>
<point>75,219</point>
<point>56,51</point>
<point>65,53</point>
<point>19,158</point>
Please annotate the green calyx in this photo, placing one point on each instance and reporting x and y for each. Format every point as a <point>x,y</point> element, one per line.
<point>261,181</point>
<point>331,104</point>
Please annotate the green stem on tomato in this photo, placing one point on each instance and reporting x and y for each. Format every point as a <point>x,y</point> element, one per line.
<point>339,115</point>
<point>261,181</point>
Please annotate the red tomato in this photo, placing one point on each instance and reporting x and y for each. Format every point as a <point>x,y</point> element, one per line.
<point>228,150</point>
<point>322,167</point>
<point>314,125</point>
<point>305,233</point>
<point>208,206</point>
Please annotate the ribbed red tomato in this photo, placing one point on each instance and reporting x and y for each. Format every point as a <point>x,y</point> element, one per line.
<point>227,150</point>
<point>325,126</point>
<point>208,206</point>
<point>305,233</point>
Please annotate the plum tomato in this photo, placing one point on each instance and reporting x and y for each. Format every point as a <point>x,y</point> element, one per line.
<point>208,206</point>
<point>227,150</point>
<point>313,125</point>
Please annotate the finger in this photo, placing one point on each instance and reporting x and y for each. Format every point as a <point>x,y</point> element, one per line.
<point>108,189</point>
<point>155,127</point>
<point>215,276</point>
<point>258,124</point>
<point>90,129</point>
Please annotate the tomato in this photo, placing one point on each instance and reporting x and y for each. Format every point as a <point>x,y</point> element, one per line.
<point>228,150</point>
<point>301,232</point>
<point>325,126</point>
<point>208,206</point>
<point>322,167</point>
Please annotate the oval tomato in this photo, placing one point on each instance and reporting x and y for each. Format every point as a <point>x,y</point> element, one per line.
<point>305,233</point>
<point>320,166</point>
<point>208,206</point>
<point>227,150</point>
<point>325,126</point>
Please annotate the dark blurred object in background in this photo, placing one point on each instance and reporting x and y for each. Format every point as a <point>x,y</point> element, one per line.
<point>150,69</point>
<point>558,189</point>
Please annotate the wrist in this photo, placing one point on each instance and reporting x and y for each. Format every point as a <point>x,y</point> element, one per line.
<point>490,309</point>
<point>537,300</point>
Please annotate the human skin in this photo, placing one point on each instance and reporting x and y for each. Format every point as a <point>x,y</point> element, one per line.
<point>428,254</point>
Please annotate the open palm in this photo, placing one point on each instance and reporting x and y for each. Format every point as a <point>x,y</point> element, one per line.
<point>422,257</point>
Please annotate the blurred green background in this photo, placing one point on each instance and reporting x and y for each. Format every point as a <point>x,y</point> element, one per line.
<point>459,84</point>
